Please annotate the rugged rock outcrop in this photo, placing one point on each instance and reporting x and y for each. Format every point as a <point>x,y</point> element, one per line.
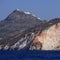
<point>49,37</point>
<point>21,30</point>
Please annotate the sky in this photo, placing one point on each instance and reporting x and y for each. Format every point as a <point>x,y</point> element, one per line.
<point>45,9</point>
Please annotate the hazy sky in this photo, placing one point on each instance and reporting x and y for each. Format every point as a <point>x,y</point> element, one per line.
<point>45,9</point>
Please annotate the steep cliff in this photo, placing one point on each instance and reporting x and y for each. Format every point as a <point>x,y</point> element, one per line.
<point>49,38</point>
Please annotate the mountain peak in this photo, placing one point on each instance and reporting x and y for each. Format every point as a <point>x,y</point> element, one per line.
<point>18,9</point>
<point>16,14</point>
<point>19,15</point>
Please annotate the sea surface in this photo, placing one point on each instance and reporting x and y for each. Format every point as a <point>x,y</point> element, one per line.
<point>29,55</point>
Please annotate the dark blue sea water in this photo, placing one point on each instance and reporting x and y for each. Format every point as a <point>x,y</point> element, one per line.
<point>29,55</point>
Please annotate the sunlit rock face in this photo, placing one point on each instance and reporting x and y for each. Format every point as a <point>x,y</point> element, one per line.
<point>49,38</point>
<point>24,42</point>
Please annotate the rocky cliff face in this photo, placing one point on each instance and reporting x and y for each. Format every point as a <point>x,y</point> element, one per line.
<point>23,31</point>
<point>49,38</point>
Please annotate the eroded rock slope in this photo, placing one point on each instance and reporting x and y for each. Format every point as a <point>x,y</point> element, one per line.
<point>24,31</point>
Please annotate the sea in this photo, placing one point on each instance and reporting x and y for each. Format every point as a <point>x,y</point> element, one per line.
<point>29,55</point>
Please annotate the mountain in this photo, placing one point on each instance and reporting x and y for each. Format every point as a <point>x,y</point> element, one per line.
<point>24,31</point>
<point>16,22</point>
<point>16,25</point>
